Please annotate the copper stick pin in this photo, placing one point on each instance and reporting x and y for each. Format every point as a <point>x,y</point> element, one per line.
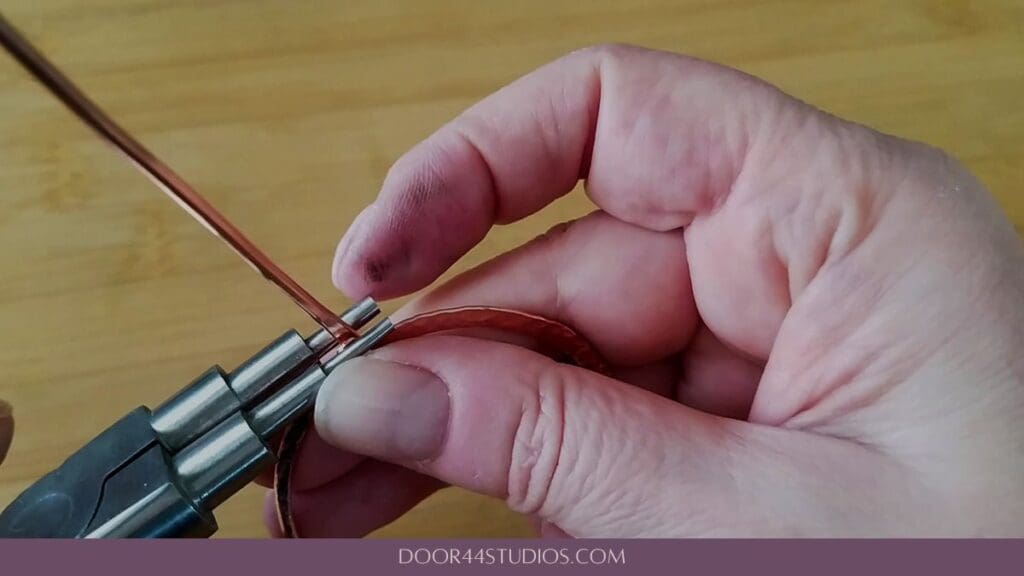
<point>166,179</point>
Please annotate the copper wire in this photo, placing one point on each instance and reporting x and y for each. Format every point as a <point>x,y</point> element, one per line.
<point>166,179</point>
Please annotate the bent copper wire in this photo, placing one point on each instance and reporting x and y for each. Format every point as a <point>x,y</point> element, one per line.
<point>166,179</point>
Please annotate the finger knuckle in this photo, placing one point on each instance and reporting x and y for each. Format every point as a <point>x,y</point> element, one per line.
<point>538,450</point>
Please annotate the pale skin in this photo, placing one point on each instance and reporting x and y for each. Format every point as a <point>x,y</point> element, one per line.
<point>817,329</point>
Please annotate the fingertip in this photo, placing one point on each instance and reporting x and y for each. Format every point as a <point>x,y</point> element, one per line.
<point>386,253</point>
<point>385,409</point>
<point>436,203</point>
<point>351,250</point>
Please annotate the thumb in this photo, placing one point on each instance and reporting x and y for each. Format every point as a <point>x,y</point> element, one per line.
<point>590,454</point>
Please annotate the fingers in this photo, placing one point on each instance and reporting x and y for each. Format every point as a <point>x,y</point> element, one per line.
<point>318,462</point>
<point>769,189</point>
<point>368,497</point>
<point>643,312</point>
<point>659,138</point>
<point>6,428</point>
<point>717,379</point>
<point>586,453</point>
<point>503,159</point>
<point>552,276</point>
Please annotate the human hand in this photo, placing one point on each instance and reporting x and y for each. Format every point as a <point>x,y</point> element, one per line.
<point>817,328</point>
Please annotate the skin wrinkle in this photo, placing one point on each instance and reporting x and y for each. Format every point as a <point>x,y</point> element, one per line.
<point>585,478</point>
<point>722,171</point>
<point>560,453</point>
<point>838,379</point>
<point>880,371</point>
<point>850,375</point>
<point>620,132</point>
<point>515,494</point>
<point>801,256</point>
<point>491,185</point>
<point>607,455</point>
<point>586,153</point>
<point>856,220</point>
<point>799,274</point>
<point>855,415</point>
<point>599,497</point>
<point>559,448</point>
<point>743,133</point>
<point>544,447</point>
<point>874,389</point>
<point>824,216</point>
<point>861,210</point>
<point>754,132</point>
<point>829,341</point>
<point>550,127</point>
<point>838,396</point>
<point>719,189</point>
<point>429,189</point>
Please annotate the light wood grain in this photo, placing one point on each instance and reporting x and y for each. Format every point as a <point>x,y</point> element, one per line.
<point>288,114</point>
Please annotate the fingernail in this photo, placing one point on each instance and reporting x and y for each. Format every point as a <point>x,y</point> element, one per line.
<point>384,409</point>
<point>351,238</point>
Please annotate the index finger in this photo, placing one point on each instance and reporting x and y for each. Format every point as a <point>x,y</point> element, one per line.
<point>659,138</point>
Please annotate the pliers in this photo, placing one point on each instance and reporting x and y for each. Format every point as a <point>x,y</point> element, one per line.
<point>161,473</point>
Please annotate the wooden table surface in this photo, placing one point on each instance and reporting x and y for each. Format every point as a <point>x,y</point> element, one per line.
<point>287,115</point>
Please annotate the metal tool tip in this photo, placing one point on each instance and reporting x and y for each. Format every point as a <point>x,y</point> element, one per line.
<point>357,316</point>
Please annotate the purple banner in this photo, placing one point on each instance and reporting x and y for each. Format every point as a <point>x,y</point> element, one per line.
<point>428,557</point>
